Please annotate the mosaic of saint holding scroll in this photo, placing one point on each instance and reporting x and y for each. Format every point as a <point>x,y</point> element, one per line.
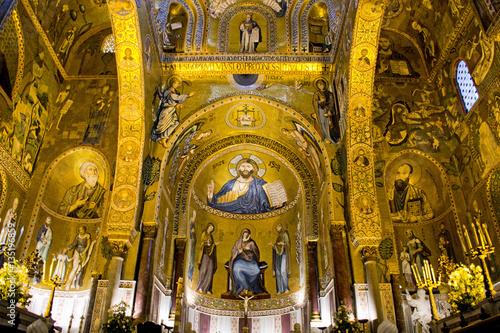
<point>245,194</point>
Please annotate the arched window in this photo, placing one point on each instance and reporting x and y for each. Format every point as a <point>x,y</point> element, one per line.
<point>108,44</point>
<point>468,91</point>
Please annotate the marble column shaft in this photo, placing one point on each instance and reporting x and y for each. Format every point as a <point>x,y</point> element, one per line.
<point>313,280</point>
<point>93,292</point>
<point>143,290</point>
<point>342,283</point>
<point>180,244</point>
<point>368,255</point>
<point>115,272</point>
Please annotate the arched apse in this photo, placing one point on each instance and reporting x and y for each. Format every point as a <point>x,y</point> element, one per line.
<point>198,133</point>
<point>302,21</point>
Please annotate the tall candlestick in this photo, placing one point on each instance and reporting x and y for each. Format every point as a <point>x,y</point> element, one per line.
<point>485,227</point>
<point>467,238</point>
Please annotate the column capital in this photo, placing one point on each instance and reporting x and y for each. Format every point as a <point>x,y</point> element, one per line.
<point>336,229</point>
<point>180,243</point>
<point>368,253</point>
<point>149,229</point>
<point>119,248</point>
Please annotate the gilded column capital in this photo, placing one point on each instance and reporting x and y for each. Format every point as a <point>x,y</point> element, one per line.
<point>119,248</point>
<point>336,229</point>
<point>149,229</point>
<point>180,243</point>
<point>368,253</point>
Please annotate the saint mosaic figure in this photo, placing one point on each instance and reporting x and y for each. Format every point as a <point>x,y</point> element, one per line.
<point>10,217</point>
<point>281,260</point>
<point>82,249</point>
<point>250,35</point>
<point>166,118</point>
<point>391,62</point>
<point>244,194</point>
<point>326,114</point>
<point>407,202</point>
<point>208,261</point>
<point>244,266</point>
<point>99,113</point>
<point>417,250</point>
<point>85,200</point>
<point>44,241</point>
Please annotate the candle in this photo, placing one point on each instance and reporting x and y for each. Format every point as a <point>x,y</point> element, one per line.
<point>427,270</point>
<point>467,238</point>
<point>481,235</point>
<point>415,273</point>
<point>433,276</point>
<point>487,234</point>
<point>475,233</point>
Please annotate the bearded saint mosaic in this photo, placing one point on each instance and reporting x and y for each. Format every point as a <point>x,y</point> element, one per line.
<point>247,192</point>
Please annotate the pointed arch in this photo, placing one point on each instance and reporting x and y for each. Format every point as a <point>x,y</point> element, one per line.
<point>161,21</point>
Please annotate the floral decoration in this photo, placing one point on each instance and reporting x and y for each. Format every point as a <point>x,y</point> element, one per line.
<point>466,287</point>
<point>118,321</point>
<point>14,283</point>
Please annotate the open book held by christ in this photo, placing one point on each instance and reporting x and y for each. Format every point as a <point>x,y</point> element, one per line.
<point>275,193</point>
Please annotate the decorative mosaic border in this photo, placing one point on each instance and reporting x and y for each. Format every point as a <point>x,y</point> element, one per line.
<point>43,188</point>
<point>233,10</point>
<point>3,180</point>
<point>254,58</point>
<point>20,59</point>
<point>229,307</point>
<point>366,231</point>
<point>126,30</point>
<point>20,176</point>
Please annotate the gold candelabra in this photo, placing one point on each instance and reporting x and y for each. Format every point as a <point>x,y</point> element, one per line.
<point>482,250</point>
<point>427,281</point>
<point>56,282</point>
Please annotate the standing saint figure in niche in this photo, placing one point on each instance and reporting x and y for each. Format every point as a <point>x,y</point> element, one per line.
<point>326,114</point>
<point>208,261</point>
<point>281,260</point>
<point>166,118</point>
<point>250,35</point>
<point>244,266</point>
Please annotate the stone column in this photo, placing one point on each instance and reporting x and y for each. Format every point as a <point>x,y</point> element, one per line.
<point>313,280</point>
<point>119,249</point>
<point>398,304</point>
<point>93,291</point>
<point>342,283</point>
<point>180,244</point>
<point>146,260</point>
<point>369,255</point>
